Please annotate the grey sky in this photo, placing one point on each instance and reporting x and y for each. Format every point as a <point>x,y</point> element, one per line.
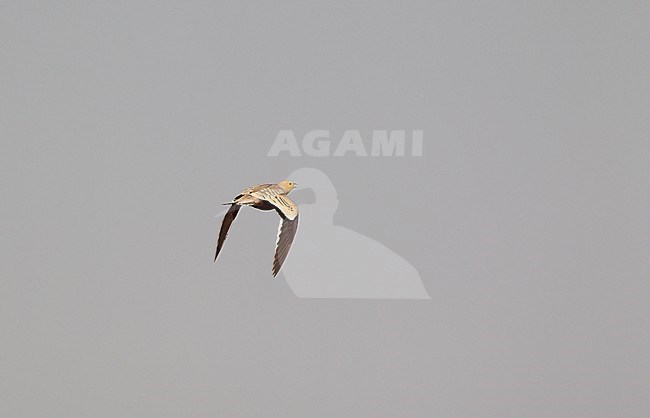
<point>124,125</point>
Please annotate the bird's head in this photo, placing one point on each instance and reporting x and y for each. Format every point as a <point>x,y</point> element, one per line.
<point>287,185</point>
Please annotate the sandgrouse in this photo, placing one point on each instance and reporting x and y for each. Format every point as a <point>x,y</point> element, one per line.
<point>266,197</point>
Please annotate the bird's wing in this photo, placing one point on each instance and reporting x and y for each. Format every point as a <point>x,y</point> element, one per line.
<point>257,188</point>
<point>282,203</point>
<point>286,233</point>
<point>288,212</point>
<point>225,226</point>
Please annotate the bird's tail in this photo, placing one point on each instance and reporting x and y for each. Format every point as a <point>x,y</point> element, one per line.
<point>242,200</point>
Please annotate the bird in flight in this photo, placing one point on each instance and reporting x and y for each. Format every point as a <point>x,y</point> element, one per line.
<point>266,197</point>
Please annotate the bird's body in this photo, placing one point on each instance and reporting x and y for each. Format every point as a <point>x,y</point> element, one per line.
<point>266,197</point>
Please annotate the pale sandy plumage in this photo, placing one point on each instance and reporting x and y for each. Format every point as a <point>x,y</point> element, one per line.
<point>266,197</point>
